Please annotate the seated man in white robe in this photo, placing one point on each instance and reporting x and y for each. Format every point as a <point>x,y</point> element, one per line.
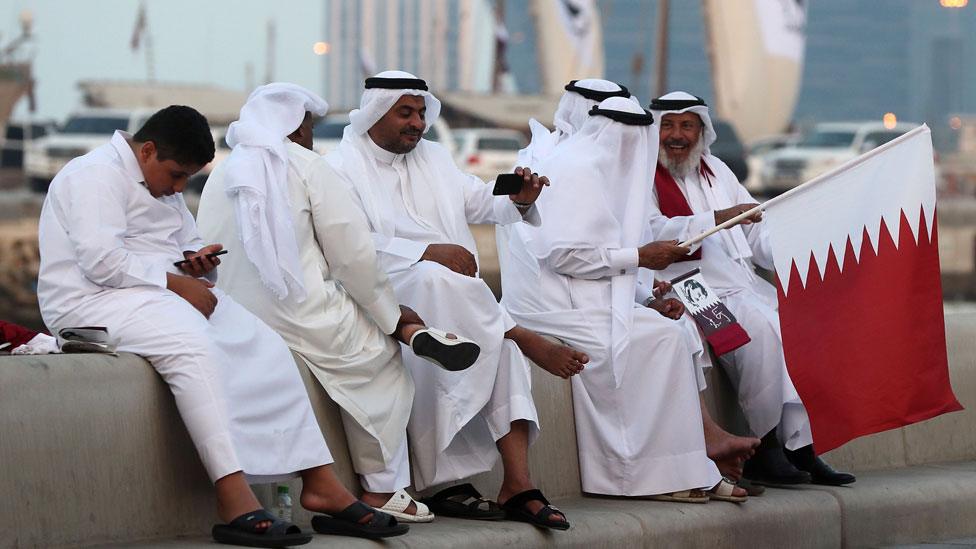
<point>418,205</point>
<point>694,191</point>
<point>112,226</point>
<point>519,266</point>
<point>638,415</point>
<point>309,270</point>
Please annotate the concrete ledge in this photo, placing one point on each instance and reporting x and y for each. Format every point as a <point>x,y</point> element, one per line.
<point>94,452</point>
<point>928,502</point>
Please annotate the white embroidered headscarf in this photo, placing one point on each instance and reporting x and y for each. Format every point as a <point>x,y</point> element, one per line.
<point>599,198</point>
<point>678,102</point>
<point>256,180</point>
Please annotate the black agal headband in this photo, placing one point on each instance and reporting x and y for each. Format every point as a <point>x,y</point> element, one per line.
<point>396,83</point>
<point>629,118</point>
<point>596,95</point>
<point>676,104</point>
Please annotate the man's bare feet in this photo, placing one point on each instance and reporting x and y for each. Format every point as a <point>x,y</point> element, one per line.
<point>558,360</point>
<point>377,500</point>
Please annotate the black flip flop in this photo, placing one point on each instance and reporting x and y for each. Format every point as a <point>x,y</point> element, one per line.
<point>463,501</point>
<point>346,523</point>
<point>515,510</point>
<point>453,355</point>
<point>243,531</point>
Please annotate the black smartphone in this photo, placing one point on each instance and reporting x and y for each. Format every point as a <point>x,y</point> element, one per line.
<point>507,183</point>
<point>211,256</point>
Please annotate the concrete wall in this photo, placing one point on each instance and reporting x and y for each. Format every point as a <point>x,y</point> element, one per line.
<point>93,451</point>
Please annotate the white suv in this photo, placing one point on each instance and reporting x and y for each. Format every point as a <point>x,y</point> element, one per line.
<point>827,145</point>
<point>487,152</point>
<point>82,132</point>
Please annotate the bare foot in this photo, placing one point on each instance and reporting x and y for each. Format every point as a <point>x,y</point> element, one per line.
<point>722,445</point>
<point>558,360</point>
<point>377,500</point>
<point>730,467</point>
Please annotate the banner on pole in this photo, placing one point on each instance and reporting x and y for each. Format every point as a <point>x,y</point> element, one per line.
<point>860,297</point>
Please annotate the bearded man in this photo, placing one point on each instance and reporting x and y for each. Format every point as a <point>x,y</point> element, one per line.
<point>693,192</point>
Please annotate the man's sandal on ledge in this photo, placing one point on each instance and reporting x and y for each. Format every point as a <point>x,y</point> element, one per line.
<point>464,501</point>
<point>397,507</point>
<point>725,491</point>
<point>347,523</point>
<point>684,496</point>
<point>244,531</point>
<point>453,355</point>
<point>516,509</point>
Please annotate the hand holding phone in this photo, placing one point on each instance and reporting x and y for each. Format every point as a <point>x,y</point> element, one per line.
<point>208,256</point>
<point>507,183</point>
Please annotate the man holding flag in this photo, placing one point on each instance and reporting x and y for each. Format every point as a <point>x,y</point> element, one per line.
<point>693,192</point>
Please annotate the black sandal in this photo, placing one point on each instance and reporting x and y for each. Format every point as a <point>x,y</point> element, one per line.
<point>463,501</point>
<point>515,510</point>
<point>243,531</point>
<point>346,523</point>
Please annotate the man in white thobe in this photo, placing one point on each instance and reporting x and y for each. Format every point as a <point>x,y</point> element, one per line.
<point>520,267</point>
<point>638,420</point>
<point>110,229</point>
<point>694,191</point>
<point>418,205</point>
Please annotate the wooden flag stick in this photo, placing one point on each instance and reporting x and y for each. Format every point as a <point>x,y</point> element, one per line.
<point>796,190</point>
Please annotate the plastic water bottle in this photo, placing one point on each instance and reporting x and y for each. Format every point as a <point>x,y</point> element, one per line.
<point>283,509</point>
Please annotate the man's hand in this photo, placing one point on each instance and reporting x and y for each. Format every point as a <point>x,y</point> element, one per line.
<point>659,254</point>
<point>195,291</point>
<point>199,264</point>
<point>531,186</point>
<point>454,257</point>
<point>661,287</point>
<point>670,307</point>
<point>721,216</point>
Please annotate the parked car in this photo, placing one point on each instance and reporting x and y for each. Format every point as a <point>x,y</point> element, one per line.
<point>757,154</point>
<point>827,145</point>
<point>327,133</point>
<point>728,148</point>
<point>82,132</point>
<point>487,152</point>
<point>16,138</point>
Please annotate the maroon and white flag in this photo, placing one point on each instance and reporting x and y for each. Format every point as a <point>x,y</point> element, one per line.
<point>721,330</point>
<point>860,296</point>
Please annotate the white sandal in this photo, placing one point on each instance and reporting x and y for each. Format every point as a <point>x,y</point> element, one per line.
<point>724,490</point>
<point>453,355</point>
<point>398,504</point>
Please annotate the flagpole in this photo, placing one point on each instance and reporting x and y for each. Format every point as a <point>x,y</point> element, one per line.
<point>796,190</point>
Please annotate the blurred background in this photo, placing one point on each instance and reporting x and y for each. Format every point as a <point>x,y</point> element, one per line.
<point>798,86</point>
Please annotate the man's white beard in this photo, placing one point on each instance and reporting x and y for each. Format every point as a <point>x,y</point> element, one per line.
<point>686,166</point>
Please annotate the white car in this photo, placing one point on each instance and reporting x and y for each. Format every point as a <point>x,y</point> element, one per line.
<point>487,152</point>
<point>757,156</point>
<point>327,133</point>
<point>828,145</point>
<point>82,132</point>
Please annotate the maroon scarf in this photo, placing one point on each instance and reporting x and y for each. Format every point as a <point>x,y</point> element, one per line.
<point>672,202</point>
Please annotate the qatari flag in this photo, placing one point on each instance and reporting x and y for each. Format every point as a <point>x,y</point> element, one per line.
<point>860,298</point>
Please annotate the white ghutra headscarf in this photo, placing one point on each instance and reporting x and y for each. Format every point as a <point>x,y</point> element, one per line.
<point>429,166</point>
<point>678,102</point>
<point>599,199</point>
<point>256,178</point>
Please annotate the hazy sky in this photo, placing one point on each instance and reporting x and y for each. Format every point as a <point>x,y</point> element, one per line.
<point>208,41</point>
